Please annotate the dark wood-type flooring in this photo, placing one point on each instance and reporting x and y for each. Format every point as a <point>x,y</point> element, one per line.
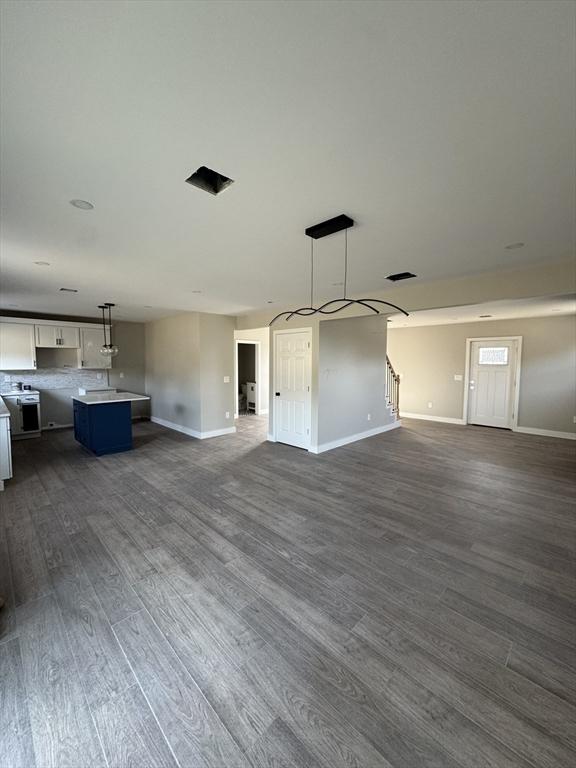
<point>405,601</point>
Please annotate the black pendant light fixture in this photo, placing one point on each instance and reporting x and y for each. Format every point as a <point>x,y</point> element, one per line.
<point>325,228</point>
<point>108,348</point>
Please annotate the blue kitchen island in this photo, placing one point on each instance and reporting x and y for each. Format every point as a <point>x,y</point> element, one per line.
<point>103,421</point>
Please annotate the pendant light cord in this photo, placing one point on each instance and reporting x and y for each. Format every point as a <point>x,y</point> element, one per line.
<point>311,272</point>
<point>345,261</point>
<point>110,323</point>
<point>103,308</point>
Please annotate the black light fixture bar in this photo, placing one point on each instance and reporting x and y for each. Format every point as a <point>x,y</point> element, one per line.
<point>330,226</point>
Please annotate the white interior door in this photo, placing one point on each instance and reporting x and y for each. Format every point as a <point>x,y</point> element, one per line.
<point>491,384</point>
<point>292,388</point>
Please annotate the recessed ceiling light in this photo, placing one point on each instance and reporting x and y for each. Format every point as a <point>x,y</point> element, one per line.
<point>269,301</point>
<point>148,306</point>
<point>514,246</point>
<point>209,180</point>
<point>400,276</point>
<point>69,290</point>
<point>84,205</point>
<point>484,316</point>
<point>337,283</point>
<point>42,263</point>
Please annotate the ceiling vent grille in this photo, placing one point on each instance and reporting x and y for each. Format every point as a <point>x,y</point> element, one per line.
<point>400,276</point>
<point>209,180</point>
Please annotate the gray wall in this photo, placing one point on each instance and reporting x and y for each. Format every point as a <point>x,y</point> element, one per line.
<point>173,369</point>
<point>351,377</point>
<point>429,357</point>
<point>216,364</point>
<point>130,361</point>
<point>187,358</point>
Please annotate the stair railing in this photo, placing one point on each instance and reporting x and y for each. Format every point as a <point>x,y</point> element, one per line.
<point>392,388</point>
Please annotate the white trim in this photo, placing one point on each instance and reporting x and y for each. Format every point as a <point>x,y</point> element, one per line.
<point>353,438</point>
<point>517,374</point>
<point>271,438</point>
<point>192,432</point>
<point>545,432</point>
<point>429,417</point>
<point>309,331</point>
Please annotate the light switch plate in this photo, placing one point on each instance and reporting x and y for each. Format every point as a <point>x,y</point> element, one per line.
<point>226,379</point>
<point>458,377</point>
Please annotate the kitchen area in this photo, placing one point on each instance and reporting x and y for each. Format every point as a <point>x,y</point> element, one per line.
<point>46,362</point>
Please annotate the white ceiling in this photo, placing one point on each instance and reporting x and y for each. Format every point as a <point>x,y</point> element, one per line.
<point>540,306</point>
<point>444,128</point>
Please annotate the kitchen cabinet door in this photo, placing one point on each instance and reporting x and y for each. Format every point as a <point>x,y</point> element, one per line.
<point>92,340</point>
<point>47,335</point>
<point>69,337</point>
<point>17,347</point>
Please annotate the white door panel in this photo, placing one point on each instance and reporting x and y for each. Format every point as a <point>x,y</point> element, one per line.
<point>292,388</point>
<point>492,373</point>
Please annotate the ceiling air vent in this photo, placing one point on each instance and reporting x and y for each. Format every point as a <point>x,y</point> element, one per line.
<point>400,276</point>
<point>209,180</point>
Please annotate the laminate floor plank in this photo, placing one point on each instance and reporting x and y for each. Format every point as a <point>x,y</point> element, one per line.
<point>406,601</point>
<point>130,733</point>
<point>16,747</point>
<point>61,723</point>
<point>194,732</point>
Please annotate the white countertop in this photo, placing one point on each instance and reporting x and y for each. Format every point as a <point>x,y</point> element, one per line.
<point>108,397</point>
<point>13,392</point>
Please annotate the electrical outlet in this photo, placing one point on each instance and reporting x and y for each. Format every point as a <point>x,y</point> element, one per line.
<point>98,375</point>
<point>121,374</point>
<point>369,417</point>
<point>429,404</point>
<point>226,379</point>
<point>227,414</point>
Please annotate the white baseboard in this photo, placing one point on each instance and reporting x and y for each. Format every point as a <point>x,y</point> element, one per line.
<point>263,412</point>
<point>545,432</point>
<point>192,432</point>
<point>354,438</point>
<point>428,417</point>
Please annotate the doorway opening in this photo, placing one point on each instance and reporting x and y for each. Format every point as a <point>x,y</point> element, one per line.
<point>247,378</point>
<point>492,381</point>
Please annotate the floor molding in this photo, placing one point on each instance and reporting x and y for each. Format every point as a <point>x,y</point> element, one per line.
<point>545,432</point>
<point>428,417</point>
<point>354,438</point>
<point>192,432</point>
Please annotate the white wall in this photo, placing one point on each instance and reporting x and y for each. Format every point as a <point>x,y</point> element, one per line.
<point>428,358</point>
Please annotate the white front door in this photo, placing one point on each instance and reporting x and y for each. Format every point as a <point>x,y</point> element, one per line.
<point>292,387</point>
<point>491,385</point>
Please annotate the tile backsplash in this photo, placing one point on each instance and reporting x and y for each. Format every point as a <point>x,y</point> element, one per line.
<point>55,378</point>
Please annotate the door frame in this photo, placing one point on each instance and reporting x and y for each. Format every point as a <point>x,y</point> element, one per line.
<point>257,368</point>
<point>307,330</point>
<point>516,373</point>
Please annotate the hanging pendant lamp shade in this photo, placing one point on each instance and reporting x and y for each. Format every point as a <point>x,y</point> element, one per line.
<point>325,228</point>
<point>107,349</point>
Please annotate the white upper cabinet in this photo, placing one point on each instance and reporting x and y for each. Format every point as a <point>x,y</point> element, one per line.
<point>17,347</point>
<point>66,337</point>
<point>92,340</point>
